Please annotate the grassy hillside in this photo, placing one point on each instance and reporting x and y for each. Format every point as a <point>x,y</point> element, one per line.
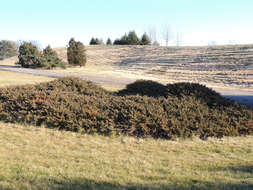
<point>226,66</point>
<point>39,158</point>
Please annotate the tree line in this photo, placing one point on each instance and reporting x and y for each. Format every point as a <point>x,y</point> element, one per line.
<point>128,39</point>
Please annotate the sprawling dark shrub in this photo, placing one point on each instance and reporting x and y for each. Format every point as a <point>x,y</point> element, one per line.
<point>76,53</point>
<point>77,105</point>
<point>8,49</point>
<point>200,92</point>
<point>29,56</point>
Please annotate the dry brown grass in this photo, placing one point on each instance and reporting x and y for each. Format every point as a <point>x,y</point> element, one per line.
<point>11,78</point>
<point>40,158</point>
<point>217,66</point>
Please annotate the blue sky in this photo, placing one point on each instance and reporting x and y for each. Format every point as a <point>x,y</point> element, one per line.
<point>197,22</point>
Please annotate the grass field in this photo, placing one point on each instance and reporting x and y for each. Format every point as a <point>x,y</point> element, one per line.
<point>214,66</point>
<point>40,158</point>
<point>10,78</point>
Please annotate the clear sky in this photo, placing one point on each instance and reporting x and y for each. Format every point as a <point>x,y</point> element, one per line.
<point>197,22</point>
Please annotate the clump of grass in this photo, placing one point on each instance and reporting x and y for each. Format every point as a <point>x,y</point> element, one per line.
<point>76,105</point>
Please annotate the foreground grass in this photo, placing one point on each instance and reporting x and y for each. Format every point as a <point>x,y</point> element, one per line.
<point>11,78</point>
<point>39,158</point>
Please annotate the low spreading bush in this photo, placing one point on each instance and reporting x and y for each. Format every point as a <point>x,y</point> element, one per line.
<point>76,105</point>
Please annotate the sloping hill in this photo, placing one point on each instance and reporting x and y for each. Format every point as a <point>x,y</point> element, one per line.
<point>214,65</point>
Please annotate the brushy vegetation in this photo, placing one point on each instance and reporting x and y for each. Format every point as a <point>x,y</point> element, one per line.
<point>76,105</point>
<point>8,49</point>
<point>30,57</point>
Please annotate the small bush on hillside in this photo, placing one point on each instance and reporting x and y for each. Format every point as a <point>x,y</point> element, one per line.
<point>8,49</point>
<point>76,105</point>
<point>76,53</point>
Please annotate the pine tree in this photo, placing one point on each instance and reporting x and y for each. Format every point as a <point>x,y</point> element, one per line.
<point>108,42</point>
<point>8,49</point>
<point>93,41</point>
<point>145,40</point>
<point>29,56</point>
<point>132,38</point>
<point>51,59</point>
<point>76,53</point>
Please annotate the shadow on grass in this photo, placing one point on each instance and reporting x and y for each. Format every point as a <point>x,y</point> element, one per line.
<point>84,184</point>
<point>247,100</point>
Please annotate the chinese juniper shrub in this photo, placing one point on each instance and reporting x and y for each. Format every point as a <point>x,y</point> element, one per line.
<point>77,105</point>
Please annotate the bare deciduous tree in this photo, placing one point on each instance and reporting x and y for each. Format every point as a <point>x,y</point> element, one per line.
<point>152,34</point>
<point>179,40</point>
<point>167,35</point>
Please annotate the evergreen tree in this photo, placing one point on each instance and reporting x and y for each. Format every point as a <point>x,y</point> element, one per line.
<point>51,59</point>
<point>145,40</point>
<point>132,38</point>
<point>124,40</point>
<point>29,56</point>
<point>76,53</point>
<point>93,41</point>
<point>8,49</point>
<point>108,42</point>
<point>116,42</point>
